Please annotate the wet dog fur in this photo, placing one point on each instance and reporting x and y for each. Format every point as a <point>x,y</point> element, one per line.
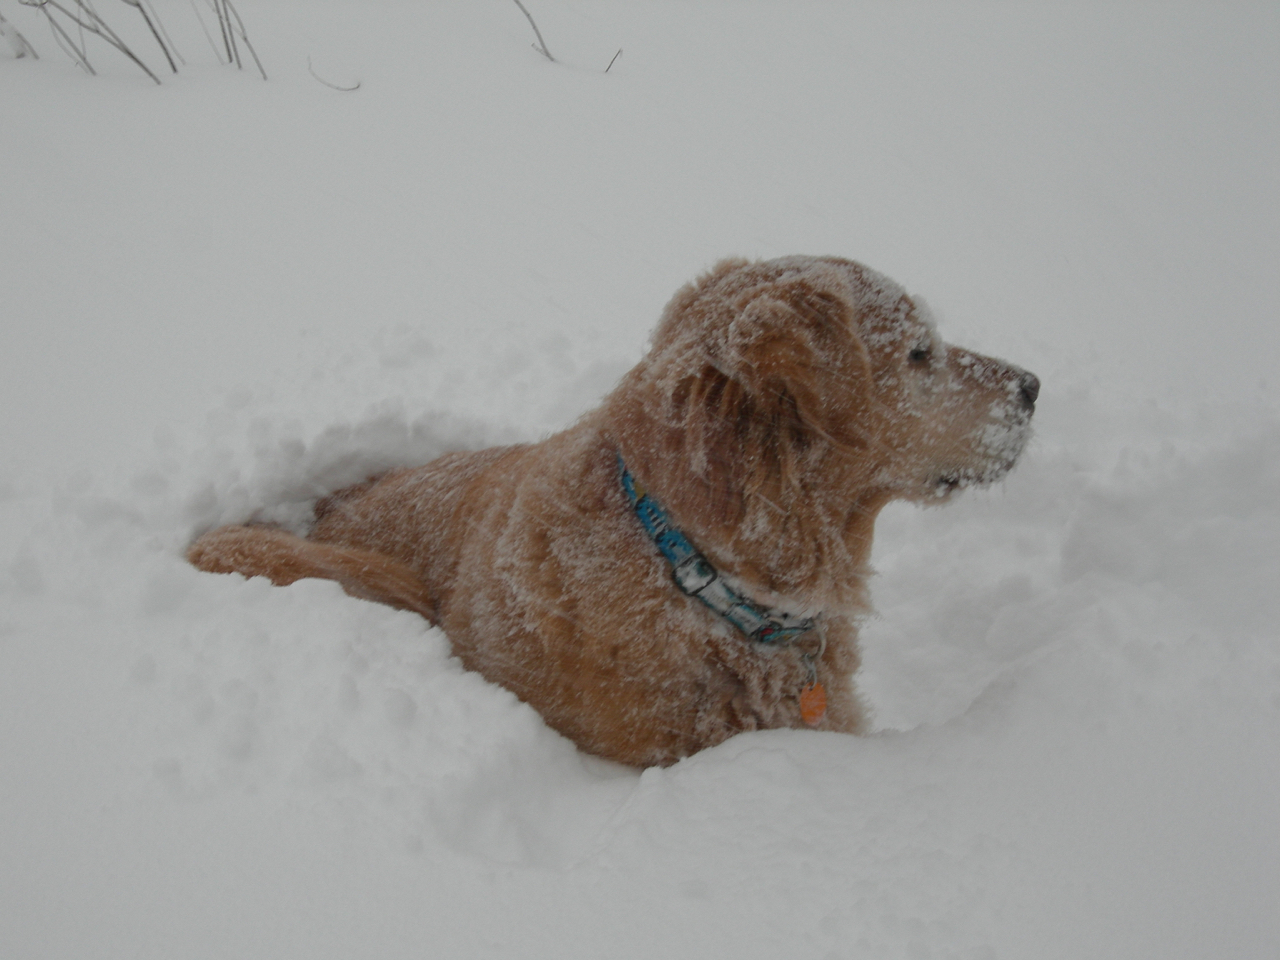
<point>781,405</point>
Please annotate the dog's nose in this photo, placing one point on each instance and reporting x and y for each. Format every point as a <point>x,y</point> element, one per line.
<point>1029,387</point>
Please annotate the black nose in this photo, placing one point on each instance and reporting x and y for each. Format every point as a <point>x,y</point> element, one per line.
<point>1029,387</point>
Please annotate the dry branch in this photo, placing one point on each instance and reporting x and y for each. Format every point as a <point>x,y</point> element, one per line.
<point>17,42</point>
<point>238,28</point>
<point>333,86</point>
<point>72,21</point>
<point>541,45</point>
<point>154,32</point>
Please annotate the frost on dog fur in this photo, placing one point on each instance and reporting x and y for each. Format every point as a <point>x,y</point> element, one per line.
<point>781,405</point>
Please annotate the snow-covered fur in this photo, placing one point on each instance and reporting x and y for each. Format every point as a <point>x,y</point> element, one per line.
<point>782,404</point>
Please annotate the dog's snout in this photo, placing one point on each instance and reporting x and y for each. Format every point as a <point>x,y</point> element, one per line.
<point>1029,388</point>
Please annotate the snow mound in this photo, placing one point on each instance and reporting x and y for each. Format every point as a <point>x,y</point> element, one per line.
<point>1076,678</point>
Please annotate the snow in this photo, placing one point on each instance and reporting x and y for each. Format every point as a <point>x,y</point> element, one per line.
<point>223,294</point>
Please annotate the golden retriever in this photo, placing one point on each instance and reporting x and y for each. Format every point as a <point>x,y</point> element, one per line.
<point>688,560</point>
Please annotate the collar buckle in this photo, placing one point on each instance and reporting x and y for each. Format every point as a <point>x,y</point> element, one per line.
<point>696,577</point>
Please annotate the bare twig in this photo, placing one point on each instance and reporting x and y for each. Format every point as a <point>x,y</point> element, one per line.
<point>541,45</point>
<point>224,11</point>
<point>167,39</point>
<point>327,83</point>
<point>239,28</point>
<point>615,57</point>
<point>63,39</point>
<point>207,35</point>
<point>17,42</point>
<point>72,20</point>
<point>87,19</point>
<point>223,26</point>
<point>154,32</point>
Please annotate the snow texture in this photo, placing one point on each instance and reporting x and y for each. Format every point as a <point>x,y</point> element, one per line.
<point>223,295</point>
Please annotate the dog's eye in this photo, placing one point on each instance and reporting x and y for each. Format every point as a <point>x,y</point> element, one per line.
<point>920,354</point>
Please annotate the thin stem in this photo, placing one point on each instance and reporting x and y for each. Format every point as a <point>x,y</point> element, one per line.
<point>63,38</point>
<point>154,32</point>
<point>332,86</point>
<point>541,46</point>
<point>167,39</point>
<point>16,40</point>
<point>245,37</point>
<point>207,35</point>
<point>226,29</point>
<point>95,24</point>
<point>87,20</point>
<point>231,34</point>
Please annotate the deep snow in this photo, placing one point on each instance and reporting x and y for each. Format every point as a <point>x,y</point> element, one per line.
<point>224,294</point>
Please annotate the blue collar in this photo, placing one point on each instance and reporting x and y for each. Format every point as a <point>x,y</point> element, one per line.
<point>696,577</point>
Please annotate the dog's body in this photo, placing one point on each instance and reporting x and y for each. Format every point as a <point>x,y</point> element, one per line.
<point>782,404</point>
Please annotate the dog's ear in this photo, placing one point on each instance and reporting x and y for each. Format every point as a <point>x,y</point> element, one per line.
<point>788,381</point>
<point>793,346</point>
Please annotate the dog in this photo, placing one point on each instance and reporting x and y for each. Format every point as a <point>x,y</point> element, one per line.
<point>690,559</point>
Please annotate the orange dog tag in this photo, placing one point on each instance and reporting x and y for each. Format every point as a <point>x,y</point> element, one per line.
<point>813,704</point>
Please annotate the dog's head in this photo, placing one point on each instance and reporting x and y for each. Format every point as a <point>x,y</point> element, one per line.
<point>789,398</point>
<point>942,417</point>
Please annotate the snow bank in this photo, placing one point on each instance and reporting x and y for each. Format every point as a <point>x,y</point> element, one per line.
<point>1076,678</point>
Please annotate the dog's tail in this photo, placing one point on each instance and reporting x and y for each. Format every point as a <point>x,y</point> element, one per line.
<point>282,557</point>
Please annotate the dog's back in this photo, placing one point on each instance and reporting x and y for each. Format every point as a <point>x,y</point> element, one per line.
<point>390,538</point>
<point>412,516</point>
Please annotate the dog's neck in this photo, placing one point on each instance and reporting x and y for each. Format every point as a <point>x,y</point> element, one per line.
<point>697,577</point>
<point>808,555</point>
<point>789,515</point>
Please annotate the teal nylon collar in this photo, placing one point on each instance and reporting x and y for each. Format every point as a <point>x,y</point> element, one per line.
<point>696,577</point>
